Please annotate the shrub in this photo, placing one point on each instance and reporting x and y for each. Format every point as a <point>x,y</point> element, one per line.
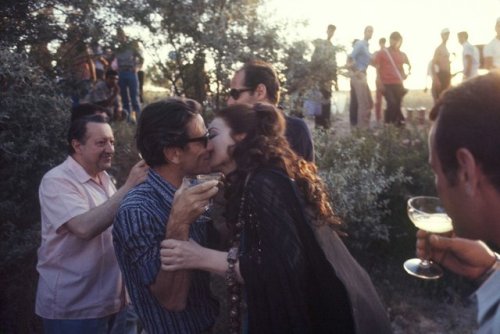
<point>370,175</point>
<point>33,123</point>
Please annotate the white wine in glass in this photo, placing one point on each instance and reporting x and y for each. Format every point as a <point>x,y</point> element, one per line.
<point>427,213</point>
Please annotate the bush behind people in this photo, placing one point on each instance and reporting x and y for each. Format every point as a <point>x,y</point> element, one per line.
<point>33,125</point>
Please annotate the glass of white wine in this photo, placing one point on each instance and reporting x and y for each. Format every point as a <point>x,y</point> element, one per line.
<point>428,214</point>
<point>201,178</point>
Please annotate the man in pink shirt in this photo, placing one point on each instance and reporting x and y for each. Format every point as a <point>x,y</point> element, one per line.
<point>390,76</point>
<point>80,289</point>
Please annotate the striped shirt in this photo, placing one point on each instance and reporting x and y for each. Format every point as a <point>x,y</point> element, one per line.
<point>138,230</point>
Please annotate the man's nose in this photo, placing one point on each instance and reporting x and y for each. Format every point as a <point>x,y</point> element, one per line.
<point>110,148</point>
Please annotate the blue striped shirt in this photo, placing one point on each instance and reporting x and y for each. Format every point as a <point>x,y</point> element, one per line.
<point>138,230</point>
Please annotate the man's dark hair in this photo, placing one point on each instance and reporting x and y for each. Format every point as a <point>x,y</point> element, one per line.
<point>259,72</point>
<point>396,36</point>
<point>468,116</point>
<point>111,73</point>
<point>163,124</point>
<point>382,40</point>
<point>86,109</point>
<point>78,129</point>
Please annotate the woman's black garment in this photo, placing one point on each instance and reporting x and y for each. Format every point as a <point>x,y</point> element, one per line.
<point>291,286</point>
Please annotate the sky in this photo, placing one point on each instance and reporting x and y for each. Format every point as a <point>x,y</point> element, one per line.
<point>419,22</point>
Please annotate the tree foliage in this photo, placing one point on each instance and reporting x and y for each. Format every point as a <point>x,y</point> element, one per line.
<point>33,123</point>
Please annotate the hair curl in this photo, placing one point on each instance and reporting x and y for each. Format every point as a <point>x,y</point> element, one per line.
<point>266,146</point>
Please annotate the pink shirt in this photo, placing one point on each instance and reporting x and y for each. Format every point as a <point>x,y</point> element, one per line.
<point>79,279</point>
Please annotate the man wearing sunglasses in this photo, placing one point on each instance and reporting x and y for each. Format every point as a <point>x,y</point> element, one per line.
<point>172,139</point>
<point>256,82</point>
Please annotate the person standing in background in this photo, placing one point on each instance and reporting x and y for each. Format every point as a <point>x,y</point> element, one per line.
<point>379,92</point>
<point>129,56</point>
<point>361,97</point>
<point>257,81</point>
<point>470,56</point>
<point>324,70</point>
<point>391,75</point>
<point>491,51</point>
<point>440,69</point>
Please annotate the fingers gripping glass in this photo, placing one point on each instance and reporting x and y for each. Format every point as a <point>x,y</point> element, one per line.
<point>203,139</point>
<point>428,214</point>
<point>235,93</point>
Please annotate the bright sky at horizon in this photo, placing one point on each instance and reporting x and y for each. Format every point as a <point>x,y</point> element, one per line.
<point>419,22</point>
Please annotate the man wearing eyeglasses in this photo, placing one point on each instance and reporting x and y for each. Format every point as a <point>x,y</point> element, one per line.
<point>172,139</point>
<point>256,82</point>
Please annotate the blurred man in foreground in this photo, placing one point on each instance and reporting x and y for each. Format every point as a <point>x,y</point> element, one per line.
<point>464,147</point>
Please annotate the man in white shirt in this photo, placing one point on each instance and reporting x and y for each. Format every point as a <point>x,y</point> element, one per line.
<point>491,51</point>
<point>470,56</point>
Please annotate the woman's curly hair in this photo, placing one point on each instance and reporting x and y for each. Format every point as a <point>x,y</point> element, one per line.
<point>266,146</point>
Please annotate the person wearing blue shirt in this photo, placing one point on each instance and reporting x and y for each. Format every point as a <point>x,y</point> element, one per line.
<point>361,98</point>
<point>172,139</point>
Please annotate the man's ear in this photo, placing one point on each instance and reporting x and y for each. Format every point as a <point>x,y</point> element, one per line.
<point>76,145</point>
<point>172,154</point>
<point>261,92</point>
<point>468,171</point>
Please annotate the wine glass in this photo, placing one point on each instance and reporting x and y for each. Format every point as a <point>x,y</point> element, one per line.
<point>427,213</point>
<point>201,178</point>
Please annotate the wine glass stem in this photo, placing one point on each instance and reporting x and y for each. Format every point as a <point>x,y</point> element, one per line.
<point>425,261</point>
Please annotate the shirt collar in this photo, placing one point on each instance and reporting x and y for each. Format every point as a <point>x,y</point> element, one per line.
<point>159,184</point>
<point>81,174</point>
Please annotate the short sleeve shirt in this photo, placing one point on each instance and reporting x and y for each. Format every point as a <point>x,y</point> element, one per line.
<point>492,49</point>
<point>139,228</point>
<point>79,279</point>
<point>388,72</point>
<point>473,52</point>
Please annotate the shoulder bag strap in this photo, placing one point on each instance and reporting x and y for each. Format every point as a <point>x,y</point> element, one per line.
<point>394,65</point>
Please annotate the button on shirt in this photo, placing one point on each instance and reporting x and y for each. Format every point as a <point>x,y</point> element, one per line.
<point>361,55</point>
<point>79,279</point>
<point>138,230</point>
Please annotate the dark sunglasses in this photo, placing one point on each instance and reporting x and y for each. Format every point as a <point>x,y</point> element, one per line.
<point>203,139</point>
<point>235,93</point>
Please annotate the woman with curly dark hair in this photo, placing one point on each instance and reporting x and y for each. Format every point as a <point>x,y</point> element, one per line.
<point>286,257</point>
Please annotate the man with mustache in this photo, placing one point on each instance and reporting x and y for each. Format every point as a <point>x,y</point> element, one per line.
<point>80,289</point>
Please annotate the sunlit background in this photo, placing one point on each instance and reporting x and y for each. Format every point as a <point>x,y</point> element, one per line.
<point>419,21</point>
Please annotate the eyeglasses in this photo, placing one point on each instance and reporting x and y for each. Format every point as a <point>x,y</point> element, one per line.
<point>235,93</point>
<point>203,139</point>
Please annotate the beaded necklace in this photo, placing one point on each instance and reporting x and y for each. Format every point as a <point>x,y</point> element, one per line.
<point>233,287</point>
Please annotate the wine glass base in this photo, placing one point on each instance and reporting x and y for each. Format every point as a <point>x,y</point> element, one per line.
<point>415,268</point>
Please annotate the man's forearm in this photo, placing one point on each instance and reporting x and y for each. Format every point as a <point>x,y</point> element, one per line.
<point>96,220</point>
<point>171,288</point>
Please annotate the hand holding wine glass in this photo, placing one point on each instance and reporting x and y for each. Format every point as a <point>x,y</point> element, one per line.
<point>465,257</point>
<point>428,214</point>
